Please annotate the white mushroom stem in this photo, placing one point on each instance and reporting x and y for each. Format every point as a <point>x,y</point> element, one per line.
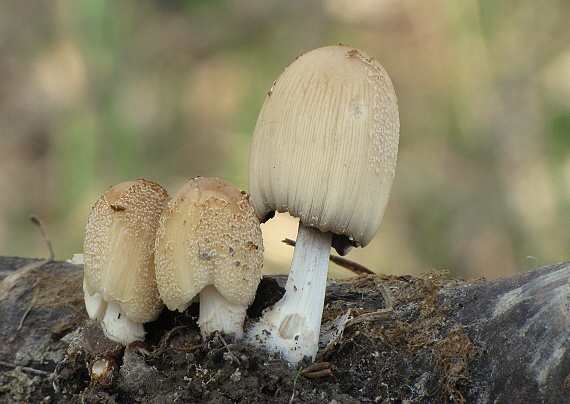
<point>118,327</point>
<point>218,314</point>
<point>115,323</point>
<point>94,304</point>
<point>291,328</point>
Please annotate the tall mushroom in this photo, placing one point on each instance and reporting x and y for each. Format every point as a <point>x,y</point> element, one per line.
<point>119,282</point>
<point>324,149</point>
<point>209,243</point>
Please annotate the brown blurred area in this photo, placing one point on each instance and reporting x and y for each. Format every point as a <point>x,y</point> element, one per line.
<point>93,93</point>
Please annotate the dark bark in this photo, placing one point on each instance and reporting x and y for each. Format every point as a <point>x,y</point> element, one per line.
<point>521,327</point>
<point>387,338</point>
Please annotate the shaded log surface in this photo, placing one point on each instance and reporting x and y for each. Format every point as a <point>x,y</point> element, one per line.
<point>388,338</point>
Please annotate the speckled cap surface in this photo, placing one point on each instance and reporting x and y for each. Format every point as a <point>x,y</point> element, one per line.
<point>208,235</point>
<point>119,248</point>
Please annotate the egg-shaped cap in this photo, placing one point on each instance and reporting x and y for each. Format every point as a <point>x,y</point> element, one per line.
<point>119,248</point>
<point>208,235</point>
<point>325,144</point>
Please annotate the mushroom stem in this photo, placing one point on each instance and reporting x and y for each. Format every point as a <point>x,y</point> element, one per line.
<point>218,314</point>
<point>120,328</point>
<point>94,303</point>
<point>116,325</point>
<point>292,326</point>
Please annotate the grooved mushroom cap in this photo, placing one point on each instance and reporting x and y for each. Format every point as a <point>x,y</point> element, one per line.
<point>208,235</point>
<point>119,249</point>
<point>325,144</point>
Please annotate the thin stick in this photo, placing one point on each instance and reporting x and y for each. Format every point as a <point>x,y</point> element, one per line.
<point>219,335</point>
<point>340,261</point>
<point>26,369</point>
<point>35,220</point>
<point>8,283</point>
<point>34,300</point>
<point>372,316</point>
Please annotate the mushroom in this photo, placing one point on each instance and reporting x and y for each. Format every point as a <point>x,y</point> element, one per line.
<point>119,282</point>
<point>209,243</point>
<point>324,149</point>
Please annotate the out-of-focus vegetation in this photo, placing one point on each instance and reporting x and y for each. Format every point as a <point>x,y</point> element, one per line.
<point>93,93</point>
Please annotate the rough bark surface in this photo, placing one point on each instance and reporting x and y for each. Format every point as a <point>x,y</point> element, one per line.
<point>418,339</point>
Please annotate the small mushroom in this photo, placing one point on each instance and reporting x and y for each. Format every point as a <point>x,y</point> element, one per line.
<point>119,281</point>
<point>324,149</point>
<point>209,243</point>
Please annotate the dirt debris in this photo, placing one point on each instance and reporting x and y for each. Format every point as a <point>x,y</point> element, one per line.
<point>373,357</point>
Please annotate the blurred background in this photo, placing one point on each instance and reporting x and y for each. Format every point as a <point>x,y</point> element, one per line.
<point>93,93</point>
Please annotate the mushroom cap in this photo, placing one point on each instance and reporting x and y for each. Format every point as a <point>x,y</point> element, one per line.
<point>119,248</point>
<point>208,235</point>
<point>325,144</point>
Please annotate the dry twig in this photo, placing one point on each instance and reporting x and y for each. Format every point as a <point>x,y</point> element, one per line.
<point>8,283</point>
<point>26,369</point>
<point>340,261</point>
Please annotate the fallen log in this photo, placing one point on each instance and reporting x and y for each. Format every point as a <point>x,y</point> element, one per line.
<point>384,338</point>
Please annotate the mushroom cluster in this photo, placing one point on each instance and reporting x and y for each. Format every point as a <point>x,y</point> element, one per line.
<point>142,249</point>
<point>324,149</point>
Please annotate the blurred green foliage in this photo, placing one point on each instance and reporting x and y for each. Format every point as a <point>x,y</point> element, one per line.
<point>93,93</point>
